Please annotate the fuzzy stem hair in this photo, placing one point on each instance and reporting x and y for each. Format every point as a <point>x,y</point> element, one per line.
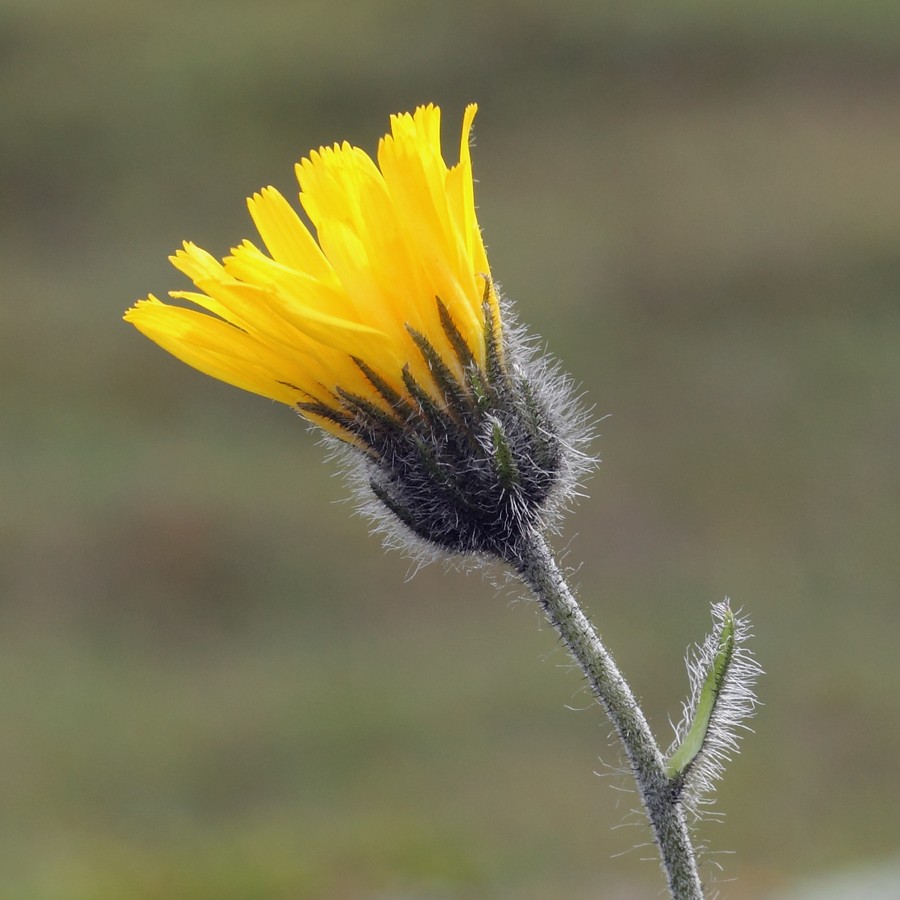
<point>659,793</point>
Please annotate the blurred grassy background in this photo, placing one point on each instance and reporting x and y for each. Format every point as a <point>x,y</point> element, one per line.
<point>213,684</point>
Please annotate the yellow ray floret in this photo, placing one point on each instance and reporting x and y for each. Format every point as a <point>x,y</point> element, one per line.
<point>386,241</point>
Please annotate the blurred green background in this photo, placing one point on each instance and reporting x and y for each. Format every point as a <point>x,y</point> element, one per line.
<point>214,684</point>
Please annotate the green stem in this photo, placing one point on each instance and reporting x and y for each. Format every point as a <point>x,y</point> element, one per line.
<point>534,562</point>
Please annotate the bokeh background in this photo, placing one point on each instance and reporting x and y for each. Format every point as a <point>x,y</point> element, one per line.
<point>214,684</point>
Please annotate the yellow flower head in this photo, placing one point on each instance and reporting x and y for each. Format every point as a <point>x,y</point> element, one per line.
<point>398,254</point>
<point>385,330</point>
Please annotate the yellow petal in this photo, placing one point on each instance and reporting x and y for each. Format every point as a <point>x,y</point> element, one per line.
<point>285,235</point>
<point>386,240</point>
<point>213,347</point>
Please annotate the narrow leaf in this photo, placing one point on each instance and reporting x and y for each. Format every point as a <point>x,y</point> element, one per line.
<point>693,741</point>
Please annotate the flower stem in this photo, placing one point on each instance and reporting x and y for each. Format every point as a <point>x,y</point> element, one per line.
<point>535,564</point>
